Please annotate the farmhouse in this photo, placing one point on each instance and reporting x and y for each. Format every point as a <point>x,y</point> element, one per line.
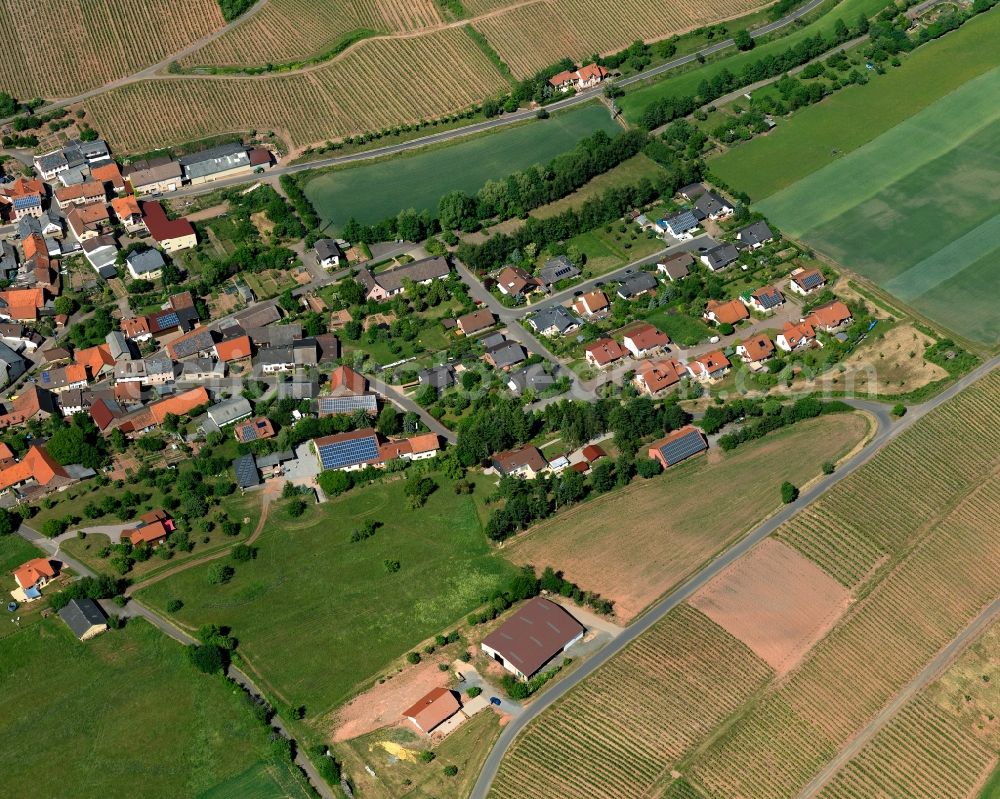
<point>592,303</point>
<point>645,340</point>
<point>433,709</point>
<point>170,234</point>
<point>515,282</point>
<point>527,462</point>
<point>237,348</point>
<point>726,313</point>
<point>199,342</point>
<point>719,257</point>
<point>37,470</point>
<point>678,446</point>
<point>554,321</point>
<point>557,269</point>
<point>636,285</point>
<point>676,266</point>
<point>530,638</point>
<point>476,321</point>
<point>806,281</point>
<point>655,377</point>
<point>348,451</point>
<point>755,350</point>
<point>764,300</point>
<point>754,236</point>
<point>579,79</point>
<point>80,194</point>
<point>84,617</point>
<point>711,366</point>
<point>796,336</point>
<point>603,352</point>
<point>387,284</point>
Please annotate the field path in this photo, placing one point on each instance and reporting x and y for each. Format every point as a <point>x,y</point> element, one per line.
<point>931,672</point>
<point>887,432</point>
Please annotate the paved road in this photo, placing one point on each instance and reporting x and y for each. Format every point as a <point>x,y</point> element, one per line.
<point>399,398</point>
<point>886,433</point>
<point>942,660</point>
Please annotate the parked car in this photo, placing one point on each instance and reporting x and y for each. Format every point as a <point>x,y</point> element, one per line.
<point>494,700</point>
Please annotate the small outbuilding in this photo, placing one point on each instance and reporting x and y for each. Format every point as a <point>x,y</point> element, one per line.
<point>432,710</point>
<point>84,617</point>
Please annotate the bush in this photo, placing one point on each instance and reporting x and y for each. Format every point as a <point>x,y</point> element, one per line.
<point>391,566</point>
<point>296,508</point>
<point>899,410</point>
<point>334,482</point>
<point>426,756</point>
<point>413,657</point>
<point>220,573</point>
<point>474,691</point>
<point>450,771</point>
<point>828,467</point>
<point>174,605</point>
<point>789,493</point>
<point>242,553</point>
<point>648,467</point>
<point>208,658</point>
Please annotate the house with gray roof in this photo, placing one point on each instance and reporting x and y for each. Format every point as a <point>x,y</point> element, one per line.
<point>328,252</point>
<point>145,264</point>
<point>101,252</point>
<point>247,474</point>
<point>560,268</point>
<point>712,206</point>
<point>229,411</point>
<point>754,236</point>
<point>506,355</point>
<point>119,345</point>
<point>382,285</point>
<point>554,321</point>
<point>636,285</point>
<point>534,377</point>
<point>719,257</point>
<point>8,258</point>
<point>84,618</point>
<point>680,225</point>
<point>12,365</point>
<point>438,376</point>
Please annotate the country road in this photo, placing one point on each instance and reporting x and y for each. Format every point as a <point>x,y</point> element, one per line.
<point>888,431</point>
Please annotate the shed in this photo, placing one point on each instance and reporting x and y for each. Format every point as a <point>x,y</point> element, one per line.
<point>84,617</point>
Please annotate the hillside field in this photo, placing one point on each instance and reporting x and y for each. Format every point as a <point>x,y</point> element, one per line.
<point>123,715</point>
<point>373,191</point>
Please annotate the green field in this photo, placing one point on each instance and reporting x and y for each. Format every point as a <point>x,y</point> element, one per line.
<point>635,102</point>
<point>318,615</point>
<point>821,134</point>
<point>374,191</point>
<point>917,210</point>
<point>123,715</point>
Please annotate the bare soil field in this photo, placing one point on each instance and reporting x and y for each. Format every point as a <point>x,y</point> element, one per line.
<point>633,545</point>
<point>776,602</point>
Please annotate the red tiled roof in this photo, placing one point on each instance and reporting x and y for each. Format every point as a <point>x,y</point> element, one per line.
<point>594,301</point>
<point>345,380</point>
<point>179,404</point>
<point>126,206</point>
<point>233,349</point>
<point>161,228</point>
<point>728,313</point>
<point>109,173</point>
<point>427,442</point>
<point>605,350</point>
<point>37,464</point>
<point>647,337</point>
<point>431,710</point>
<point>28,574</point>
<point>148,533</point>
<point>759,347</point>
<point>833,314</point>
<point>659,375</point>
<point>86,190</point>
<point>713,362</point>
<point>94,359</point>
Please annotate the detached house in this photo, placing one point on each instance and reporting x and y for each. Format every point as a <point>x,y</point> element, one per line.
<point>526,462</point>
<point>755,236</point>
<point>554,321</point>
<point>764,300</point>
<point>382,285</point>
<point>796,336</point>
<point>476,322</point>
<point>578,79</point>
<point>680,225</point>
<point>676,266</point>
<point>711,366</point>
<point>593,303</point>
<point>645,340</point>
<point>557,269</point>
<point>515,282</point>
<point>726,313</point>
<point>710,205</point>
<point>829,317</point>
<point>637,285</point>
<point>328,253</point>
<point>34,575</point>
<point>806,281</point>
<point>87,222</point>
<point>655,377</point>
<point>129,213</point>
<point>719,257</point>
<point>755,350</point>
<point>603,352</point>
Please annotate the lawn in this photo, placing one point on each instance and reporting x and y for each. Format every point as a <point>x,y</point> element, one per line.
<point>633,545</point>
<point>681,328</point>
<point>917,209</point>
<point>383,188</point>
<point>122,715</point>
<point>607,250</point>
<point>686,83</point>
<point>317,615</point>
<point>823,133</point>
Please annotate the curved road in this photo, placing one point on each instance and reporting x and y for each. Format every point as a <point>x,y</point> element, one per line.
<point>888,430</point>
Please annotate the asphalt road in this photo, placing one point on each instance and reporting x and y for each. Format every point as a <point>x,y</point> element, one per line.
<point>888,430</point>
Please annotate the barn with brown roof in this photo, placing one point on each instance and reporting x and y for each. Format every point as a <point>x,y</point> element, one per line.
<point>532,637</point>
<point>432,710</point>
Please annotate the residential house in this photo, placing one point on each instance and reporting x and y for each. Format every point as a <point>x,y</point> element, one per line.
<point>273,335</point>
<point>257,429</point>
<point>441,377</point>
<point>417,448</point>
<point>80,194</point>
<point>63,378</point>
<point>535,634</point>
<point>272,360</point>
<point>19,338</point>
<point>349,451</point>
<point>645,340</point>
<point>8,260</point>
<point>382,285</point>
<point>764,300</point>
<point>151,371</point>
<point>201,370</point>
<point>636,285</point>
<point>110,175</point>
<point>49,165</point>
<point>76,400</point>
<point>754,236</point>
<point>476,322</point>
<point>526,461</point>
<point>678,446</point>
<point>505,355</point>
<point>680,225</point>
<point>725,313</point>
<point>720,256</point>
<point>755,350</point>
<point>84,618</point>
<point>229,411</point>
<point>579,79</point>
<point>237,348</point>
<point>692,191</point>
<point>34,575</point>
<point>829,317</point>
<point>44,225</point>
<point>88,221</point>
<point>152,529</point>
<point>216,163</point>
<point>433,709</point>
<point>118,346</point>
<point>329,253</point>
<point>710,366</point>
<point>328,346</point>
<point>806,281</point>
<point>198,343</point>
<point>593,303</point>
<point>145,264</point>
<point>21,305</point>
<point>796,336</point>
<point>102,253</point>
<point>532,377</point>
<point>676,266</point>
<point>97,360</point>
<point>554,321</point>
<point>710,205</point>
<point>22,198</point>
<point>155,179</point>
<point>515,282</point>
<point>560,268</point>
<point>12,365</point>
<point>171,234</point>
<point>129,213</point>
<point>36,472</point>
<point>655,377</point>
<point>31,402</point>
<point>603,353</point>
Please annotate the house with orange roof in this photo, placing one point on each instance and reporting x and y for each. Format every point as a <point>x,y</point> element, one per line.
<point>128,212</point>
<point>709,367</point>
<point>22,198</point>
<point>593,303</point>
<point>110,175</point>
<point>36,469</point>
<point>97,360</point>
<point>34,574</point>
<point>233,349</point>
<point>726,313</point>
<point>432,710</point>
<point>755,350</point>
<point>152,529</point>
<point>21,305</point>
<point>30,403</point>
<point>645,340</point>
<point>603,352</point>
<point>655,377</point>
<point>678,446</point>
<point>579,79</point>
<point>143,419</point>
<point>63,378</point>
<point>85,193</point>
<point>796,336</point>
<point>344,380</point>
<point>829,317</point>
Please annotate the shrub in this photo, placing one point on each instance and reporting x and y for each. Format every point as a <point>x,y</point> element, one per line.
<point>426,756</point>
<point>474,691</point>
<point>220,573</point>
<point>413,657</point>
<point>789,493</point>
<point>208,658</point>
<point>828,467</point>
<point>174,605</point>
<point>242,552</point>
<point>899,410</point>
<point>296,508</point>
<point>391,566</point>
<point>450,771</point>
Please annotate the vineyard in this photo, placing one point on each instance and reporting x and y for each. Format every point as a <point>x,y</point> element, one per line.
<point>295,30</point>
<point>515,35</point>
<point>376,84</point>
<point>615,735</point>
<point>63,47</point>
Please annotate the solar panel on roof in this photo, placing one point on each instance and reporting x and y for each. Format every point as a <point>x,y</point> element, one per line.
<point>249,432</point>
<point>684,447</point>
<point>46,377</point>
<point>348,453</point>
<point>168,319</point>
<point>812,280</point>
<point>347,404</point>
<point>769,299</point>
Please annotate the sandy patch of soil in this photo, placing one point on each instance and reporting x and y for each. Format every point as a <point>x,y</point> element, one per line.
<point>776,602</point>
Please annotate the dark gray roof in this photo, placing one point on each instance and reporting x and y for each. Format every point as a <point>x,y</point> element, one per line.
<point>328,248</point>
<point>554,316</point>
<point>272,356</point>
<point>755,233</point>
<point>492,340</point>
<point>437,376</point>
<point>267,461</point>
<point>534,377</point>
<point>247,475</point>
<point>147,261</point>
<point>212,153</point>
<point>418,271</point>
<point>199,341</point>
<point>82,614</point>
<point>507,354</point>
<point>693,190</point>
<point>51,161</point>
<point>636,284</point>
<point>721,256</point>
<point>557,269</point>
<point>305,352</point>
<point>681,222</point>
<point>298,387</point>
<point>276,335</point>
<point>711,203</point>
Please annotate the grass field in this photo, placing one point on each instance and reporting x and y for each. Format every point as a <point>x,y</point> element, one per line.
<point>911,533</point>
<point>317,615</point>
<point>823,133</point>
<point>917,210</point>
<point>67,46</point>
<point>135,716</point>
<point>628,173</point>
<point>371,192</point>
<point>584,542</point>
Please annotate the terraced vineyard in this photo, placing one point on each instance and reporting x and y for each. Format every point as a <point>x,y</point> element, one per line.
<point>376,84</point>
<point>294,30</point>
<point>616,733</point>
<point>60,48</point>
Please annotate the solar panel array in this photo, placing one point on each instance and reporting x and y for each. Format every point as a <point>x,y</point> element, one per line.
<point>25,202</point>
<point>812,280</point>
<point>684,447</point>
<point>348,453</point>
<point>249,432</point>
<point>347,404</point>
<point>168,319</point>
<point>769,299</point>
